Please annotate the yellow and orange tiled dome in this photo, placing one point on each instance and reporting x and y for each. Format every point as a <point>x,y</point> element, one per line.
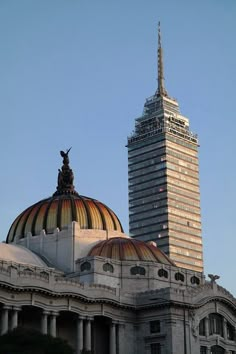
<point>129,249</point>
<point>59,211</point>
<point>65,206</point>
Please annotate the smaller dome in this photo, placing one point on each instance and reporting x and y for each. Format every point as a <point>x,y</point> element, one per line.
<point>129,249</point>
<point>19,254</point>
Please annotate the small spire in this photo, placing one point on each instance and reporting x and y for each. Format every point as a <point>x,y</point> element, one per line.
<point>160,67</point>
<point>65,177</point>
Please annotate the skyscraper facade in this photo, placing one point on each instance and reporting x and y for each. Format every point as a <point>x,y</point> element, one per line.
<point>164,196</point>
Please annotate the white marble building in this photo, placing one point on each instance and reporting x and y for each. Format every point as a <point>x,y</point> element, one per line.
<point>68,269</point>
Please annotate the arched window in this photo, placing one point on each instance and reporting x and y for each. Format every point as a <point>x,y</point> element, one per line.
<point>195,280</point>
<point>137,270</point>
<point>163,273</point>
<point>216,349</point>
<point>230,331</point>
<point>203,350</point>
<point>216,324</point>
<point>179,277</point>
<point>202,327</point>
<point>85,266</point>
<point>28,271</point>
<point>44,275</point>
<point>107,267</point>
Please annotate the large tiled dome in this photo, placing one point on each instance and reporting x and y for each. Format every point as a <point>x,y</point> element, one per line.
<point>59,211</point>
<point>128,249</point>
<point>65,206</point>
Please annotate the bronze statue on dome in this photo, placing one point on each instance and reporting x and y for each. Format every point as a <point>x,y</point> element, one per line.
<point>65,156</point>
<point>65,176</point>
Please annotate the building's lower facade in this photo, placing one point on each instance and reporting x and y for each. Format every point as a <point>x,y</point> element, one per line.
<point>99,319</point>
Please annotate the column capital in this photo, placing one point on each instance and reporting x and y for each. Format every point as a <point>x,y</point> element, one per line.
<point>119,323</point>
<point>46,313</point>
<point>16,308</point>
<point>6,307</point>
<point>54,313</point>
<point>90,318</point>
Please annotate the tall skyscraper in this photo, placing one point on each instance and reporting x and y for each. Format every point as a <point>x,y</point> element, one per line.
<point>164,196</point>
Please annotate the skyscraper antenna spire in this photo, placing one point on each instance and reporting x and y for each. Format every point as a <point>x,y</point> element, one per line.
<point>160,67</point>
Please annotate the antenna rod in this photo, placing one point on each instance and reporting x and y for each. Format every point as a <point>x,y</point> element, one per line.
<point>160,67</point>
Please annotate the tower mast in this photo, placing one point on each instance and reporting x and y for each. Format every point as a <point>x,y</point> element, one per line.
<point>160,66</point>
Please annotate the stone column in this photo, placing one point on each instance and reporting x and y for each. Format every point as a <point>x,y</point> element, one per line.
<point>14,318</point>
<point>88,344</point>
<point>118,326</point>
<point>225,328</point>
<point>80,335</point>
<point>44,322</point>
<point>207,326</point>
<point>121,345</point>
<point>4,319</point>
<point>112,338</point>
<point>208,350</point>
<point>53,324</point>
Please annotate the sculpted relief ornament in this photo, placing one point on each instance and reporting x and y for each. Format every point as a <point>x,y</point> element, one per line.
<point>194,323</point>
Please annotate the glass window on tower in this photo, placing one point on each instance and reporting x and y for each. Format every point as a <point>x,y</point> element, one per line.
<point>155,348</point>
<point>155,326</point>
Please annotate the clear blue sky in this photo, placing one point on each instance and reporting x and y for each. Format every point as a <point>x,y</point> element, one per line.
<point>77,72</point>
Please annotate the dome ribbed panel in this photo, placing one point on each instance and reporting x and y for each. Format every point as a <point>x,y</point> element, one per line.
<point>106,216</point>
<point>30,219</point>
<point>96,250</point>
<point>106,250</point>
<point>144,252</point>
<point>160,256</point>
<point>95,215</point>
<point>73,210</point>
<point>20,226</point>
<point>147,254</point>
<point>116,252</point>
<point>66,213</point>
<point>129,251</point>
<point>116,221</point>
<point>12,231</point>
<point>40,218</point>
<point>52,217</point>
<point>81,212</point>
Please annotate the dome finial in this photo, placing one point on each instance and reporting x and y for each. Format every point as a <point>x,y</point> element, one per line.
<point>160,66</point>
<point>65,176</point>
